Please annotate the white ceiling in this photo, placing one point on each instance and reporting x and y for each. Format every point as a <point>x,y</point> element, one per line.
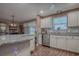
<point>27,11</point>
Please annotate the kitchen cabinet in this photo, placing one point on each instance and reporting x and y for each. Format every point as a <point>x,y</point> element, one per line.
<point>32,44</point>
<point>61,42</point>
<point>73,18</point>
<point>40,39</point>
<point>46,22</point>
<point>71,44</point>
<point>77,43</point>
<point>52,41</point>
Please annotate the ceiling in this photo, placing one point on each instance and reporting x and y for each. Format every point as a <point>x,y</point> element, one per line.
<point>28,11</point>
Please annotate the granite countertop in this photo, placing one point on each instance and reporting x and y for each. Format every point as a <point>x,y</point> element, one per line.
<point>64,34</point>
<point>4,39</point>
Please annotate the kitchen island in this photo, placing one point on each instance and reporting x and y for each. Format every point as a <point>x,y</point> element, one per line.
<point>17,45</point>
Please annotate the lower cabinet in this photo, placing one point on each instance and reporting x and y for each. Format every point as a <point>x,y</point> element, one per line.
<point>32,44</point>
<point>70,43</point>
<point>77,43</point>
<point>52,41</point>
<point>61,42</point>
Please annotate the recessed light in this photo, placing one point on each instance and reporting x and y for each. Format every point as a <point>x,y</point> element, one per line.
<point>41,12</point>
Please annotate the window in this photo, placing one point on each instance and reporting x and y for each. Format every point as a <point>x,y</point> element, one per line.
<point>31,30</point>
<point>60,23</point>
<point>2,27</point>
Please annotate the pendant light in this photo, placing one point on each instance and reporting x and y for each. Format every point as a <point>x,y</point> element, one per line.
<point>13,23</point>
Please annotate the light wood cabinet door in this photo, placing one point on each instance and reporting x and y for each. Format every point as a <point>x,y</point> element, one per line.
<point>72,19</point>
<point>52,41</point>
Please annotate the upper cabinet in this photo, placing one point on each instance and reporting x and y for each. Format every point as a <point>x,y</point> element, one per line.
<point>46,22</point>
<point>73,18</point>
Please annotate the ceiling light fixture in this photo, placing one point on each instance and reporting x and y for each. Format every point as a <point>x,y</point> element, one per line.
<point>41,12</point>
<point>12,24</point>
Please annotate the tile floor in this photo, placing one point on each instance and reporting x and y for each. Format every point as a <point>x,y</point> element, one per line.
<point>47,51</point>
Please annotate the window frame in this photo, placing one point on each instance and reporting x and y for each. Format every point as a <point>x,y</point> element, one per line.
<point>64,23</point>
